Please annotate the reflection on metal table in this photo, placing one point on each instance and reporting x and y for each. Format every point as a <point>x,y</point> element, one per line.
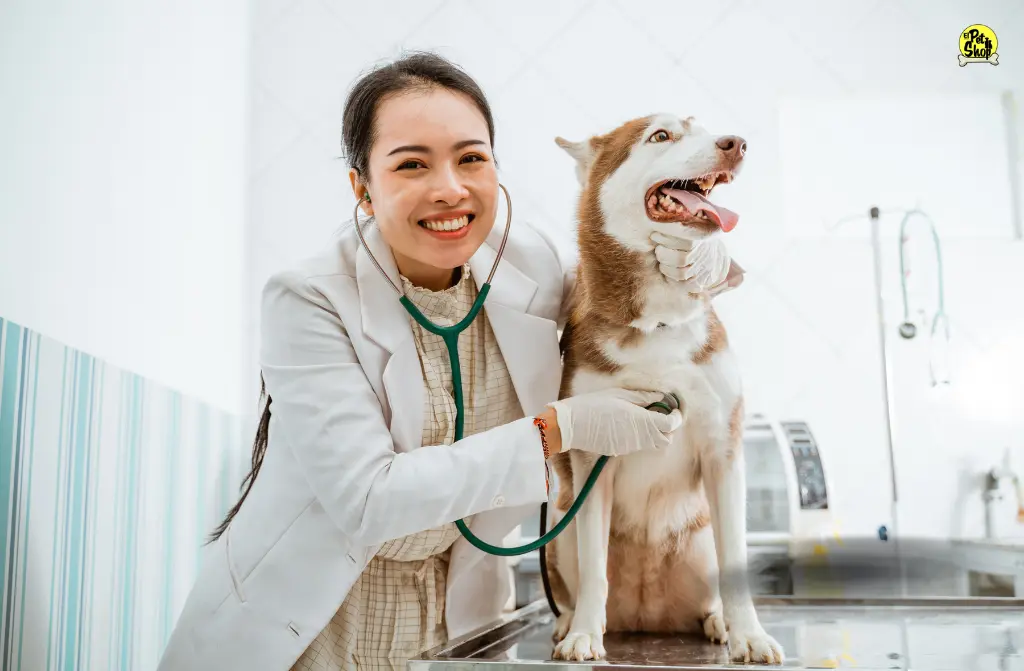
<point>866,633</point>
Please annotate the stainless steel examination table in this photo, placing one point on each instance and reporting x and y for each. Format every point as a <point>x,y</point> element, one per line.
<point>864,633</point>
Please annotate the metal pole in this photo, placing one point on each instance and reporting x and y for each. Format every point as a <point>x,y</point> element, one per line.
<point>876,252</point>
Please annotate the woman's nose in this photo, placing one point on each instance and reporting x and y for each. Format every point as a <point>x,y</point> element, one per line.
<point>449,187</point>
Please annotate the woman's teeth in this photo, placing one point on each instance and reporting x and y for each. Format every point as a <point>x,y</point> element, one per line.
<point>447,225</point>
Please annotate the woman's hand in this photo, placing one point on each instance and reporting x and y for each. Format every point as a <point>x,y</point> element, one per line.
<point>611,422</point>
<point>701,265</point>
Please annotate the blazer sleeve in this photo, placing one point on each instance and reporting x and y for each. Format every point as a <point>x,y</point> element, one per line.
<point>325,411</point>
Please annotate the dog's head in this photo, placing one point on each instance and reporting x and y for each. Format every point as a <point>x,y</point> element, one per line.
<point>656,173</point>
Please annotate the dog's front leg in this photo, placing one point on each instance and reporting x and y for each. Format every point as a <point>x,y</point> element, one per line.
<point>724,477</point>
<point>585,639</point>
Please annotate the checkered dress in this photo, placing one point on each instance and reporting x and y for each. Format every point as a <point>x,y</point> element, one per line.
<point>395,609</point>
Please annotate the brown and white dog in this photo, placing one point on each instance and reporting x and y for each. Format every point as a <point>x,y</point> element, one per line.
<point>641,554</point>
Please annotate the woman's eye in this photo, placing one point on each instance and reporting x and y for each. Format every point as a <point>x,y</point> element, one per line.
<point>476,158</point>
<point>408,164</point>
<point>660,136</point>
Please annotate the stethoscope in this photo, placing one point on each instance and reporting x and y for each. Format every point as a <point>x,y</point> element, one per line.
<point>940,322</point>
<point>450,336</point>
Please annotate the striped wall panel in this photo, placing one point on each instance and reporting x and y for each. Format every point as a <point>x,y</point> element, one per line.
<point>108,485</point>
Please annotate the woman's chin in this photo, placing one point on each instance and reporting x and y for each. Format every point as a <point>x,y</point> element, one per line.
<point>454,253</point>
<point>451,260</point>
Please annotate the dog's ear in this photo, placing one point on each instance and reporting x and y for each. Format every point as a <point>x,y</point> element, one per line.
<point>583,152</point>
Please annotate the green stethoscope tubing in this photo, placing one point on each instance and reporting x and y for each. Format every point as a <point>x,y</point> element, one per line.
<point>450,336</point>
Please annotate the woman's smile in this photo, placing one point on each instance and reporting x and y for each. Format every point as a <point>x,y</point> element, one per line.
<point>452,225</point>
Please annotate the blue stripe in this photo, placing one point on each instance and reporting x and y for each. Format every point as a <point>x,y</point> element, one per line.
<point>72,533</point>
<point>55,588</point>
<point>99,393</point>
<point>69,522</point>
<point>11,421</point>
<point>114,640</point>
<point>28,498</point>
<point>131,521</point>
<point>15,524</point>
<point>174,439</point>
<point>81,533</point>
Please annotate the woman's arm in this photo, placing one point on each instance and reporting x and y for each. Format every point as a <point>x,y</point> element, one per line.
<point>327,414</point>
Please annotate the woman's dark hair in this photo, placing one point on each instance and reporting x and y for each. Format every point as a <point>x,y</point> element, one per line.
<point>416,71</point>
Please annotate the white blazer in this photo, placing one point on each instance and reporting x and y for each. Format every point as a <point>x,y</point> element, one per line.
<point>342,472</point>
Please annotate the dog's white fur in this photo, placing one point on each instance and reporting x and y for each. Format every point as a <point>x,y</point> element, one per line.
<point>655,497</point>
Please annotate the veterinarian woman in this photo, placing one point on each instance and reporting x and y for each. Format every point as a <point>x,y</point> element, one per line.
<point>342,552</point>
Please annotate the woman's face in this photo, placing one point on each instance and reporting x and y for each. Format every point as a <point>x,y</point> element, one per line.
<point>433,184</point>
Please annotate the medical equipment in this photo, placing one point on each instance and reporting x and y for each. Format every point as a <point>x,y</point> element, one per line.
<point>450,336</point>
<point>940,340</point>
<point>998,511</point>
<point>939,331</point>
<point>787,488</point>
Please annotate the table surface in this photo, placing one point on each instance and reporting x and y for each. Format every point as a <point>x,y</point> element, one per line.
<point>1007,543</point>
<point>816,633</point>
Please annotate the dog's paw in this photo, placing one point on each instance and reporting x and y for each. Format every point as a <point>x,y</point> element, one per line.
<point>579,647</point>
<point>714,627</point>
<point>752,645</point>
<point>562,625</point>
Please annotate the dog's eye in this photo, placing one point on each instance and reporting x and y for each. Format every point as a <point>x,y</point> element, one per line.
<point>661,136</point>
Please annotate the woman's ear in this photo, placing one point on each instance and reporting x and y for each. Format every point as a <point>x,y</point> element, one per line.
<point>361,192</point>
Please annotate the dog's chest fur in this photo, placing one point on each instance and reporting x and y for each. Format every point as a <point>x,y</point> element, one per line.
<point>659,493</point>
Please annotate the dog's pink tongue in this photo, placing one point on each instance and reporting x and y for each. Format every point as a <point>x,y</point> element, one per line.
<point>694,203</point>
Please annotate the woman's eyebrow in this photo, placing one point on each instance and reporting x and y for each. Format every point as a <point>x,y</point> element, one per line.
<point>422,149</point>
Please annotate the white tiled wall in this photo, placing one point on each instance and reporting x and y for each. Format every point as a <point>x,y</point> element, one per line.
<point>803,323</point>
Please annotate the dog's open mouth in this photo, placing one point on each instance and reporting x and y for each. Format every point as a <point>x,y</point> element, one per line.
<point>686,201</point>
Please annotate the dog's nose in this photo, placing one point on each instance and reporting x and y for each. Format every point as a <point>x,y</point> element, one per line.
<point>732,146</point>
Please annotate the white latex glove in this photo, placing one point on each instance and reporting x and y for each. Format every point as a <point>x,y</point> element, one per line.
<point>614,422</point>
<point>701,265</point>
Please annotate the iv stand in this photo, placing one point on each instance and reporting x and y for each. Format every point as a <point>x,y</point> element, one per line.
<point>876,252</point>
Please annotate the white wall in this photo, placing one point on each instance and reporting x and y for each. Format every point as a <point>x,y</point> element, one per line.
<point>123,176</point>
<point>803,323</point>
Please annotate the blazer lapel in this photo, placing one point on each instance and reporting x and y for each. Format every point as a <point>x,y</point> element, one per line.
<point>386,323</point>
<point>528,343</point>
